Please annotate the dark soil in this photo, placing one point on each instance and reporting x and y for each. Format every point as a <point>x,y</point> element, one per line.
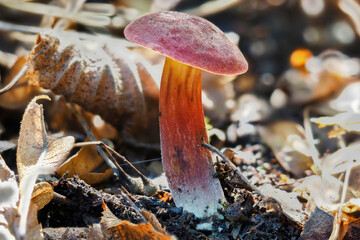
<point>246,216</point>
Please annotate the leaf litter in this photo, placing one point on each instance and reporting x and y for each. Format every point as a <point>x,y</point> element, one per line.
<point>264,141</point>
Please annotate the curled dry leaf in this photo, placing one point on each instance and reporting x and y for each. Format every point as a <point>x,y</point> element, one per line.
<point>42,194</point>
<point>114,228</point>
<point>288,142</point>
<point>87,72</point>
<point>83,163</point>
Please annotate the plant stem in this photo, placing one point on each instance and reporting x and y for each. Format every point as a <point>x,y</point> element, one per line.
<point>187,165</point>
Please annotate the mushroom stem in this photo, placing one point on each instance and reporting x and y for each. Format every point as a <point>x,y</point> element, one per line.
<point>187,165</point>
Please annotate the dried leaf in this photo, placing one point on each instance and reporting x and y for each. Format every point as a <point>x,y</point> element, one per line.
<point>5,172</point>
<point>348,121</point>
<point>324,191</point>
<point>288,142</point>
<point>37,153</point>
<point>349,99</point>
<point>289,202</point>
<point>116,228</point>
<point>83,163</point>
<point>33,140</point>
<point>119,89</point>
<point>9,197</point>
<point>42,194</point>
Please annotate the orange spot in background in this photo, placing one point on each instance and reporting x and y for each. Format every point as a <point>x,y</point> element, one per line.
<point>299,57</point>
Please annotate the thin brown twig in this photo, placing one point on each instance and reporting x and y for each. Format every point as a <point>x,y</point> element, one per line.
<point>79,116</point>
<point>132,204</point>
<point>233,167</point>
<point>15,80</point>
<point>142,176</point>
<point>274,203</point>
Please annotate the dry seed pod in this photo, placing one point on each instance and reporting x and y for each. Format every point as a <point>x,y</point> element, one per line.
<point>101,80</point>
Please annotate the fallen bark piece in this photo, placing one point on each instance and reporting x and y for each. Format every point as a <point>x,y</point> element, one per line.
<point>319,225</point>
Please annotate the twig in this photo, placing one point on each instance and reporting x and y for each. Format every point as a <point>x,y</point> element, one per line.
<point>233,167</point>
<point>15,80</point>
<point>63,200</point>
<point>79,116</point>
<point>144,178</point>
<point>7,59</point>
<point>146,186</point>
<point>132,205</point>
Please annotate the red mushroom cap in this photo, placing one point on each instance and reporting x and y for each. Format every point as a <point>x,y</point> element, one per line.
<point>188,39</point>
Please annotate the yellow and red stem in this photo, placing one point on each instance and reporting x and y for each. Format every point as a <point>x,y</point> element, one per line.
<point>187,165</point>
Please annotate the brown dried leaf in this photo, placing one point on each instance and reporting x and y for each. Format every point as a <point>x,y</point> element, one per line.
<point>104,83</point>
<point>33,140</point>
<point>42,194</point>
<point>116,228</point>
<point>17,97</point>
<point>5,172</point>
<point>288,142</point>
<point>83,163</point>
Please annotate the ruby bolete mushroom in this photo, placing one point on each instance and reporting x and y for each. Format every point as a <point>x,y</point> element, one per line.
<point>190,44</point>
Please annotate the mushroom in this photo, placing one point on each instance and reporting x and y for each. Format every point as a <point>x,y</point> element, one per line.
<point>191,44</point>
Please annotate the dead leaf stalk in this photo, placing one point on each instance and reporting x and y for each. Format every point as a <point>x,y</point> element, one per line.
<point>15,80</point>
